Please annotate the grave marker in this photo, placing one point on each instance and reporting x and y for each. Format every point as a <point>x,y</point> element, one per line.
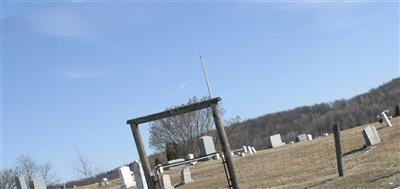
<point>254,150</point>
<point>302,137</point>
<point>276,141</point>
<point>371,136</point>
<point>166,182</point>
<point>249,150</point>
<point>20,182</point>
<point>126,176</point>
<point>139,175</point>
<point>244,149</point>
<point>38,183</point>
<point>206,145</point>
<point>385,119</point>
<point>190,156</point>
<point>186,176</point>
<point>309,137</point>
<point>217,156</point>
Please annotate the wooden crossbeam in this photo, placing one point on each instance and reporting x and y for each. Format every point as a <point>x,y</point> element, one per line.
<point>174,112</point>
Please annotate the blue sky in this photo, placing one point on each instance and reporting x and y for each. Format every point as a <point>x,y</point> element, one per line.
<point>74,72</point>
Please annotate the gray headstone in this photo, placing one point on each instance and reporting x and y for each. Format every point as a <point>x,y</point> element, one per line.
<point>206,145</point>
<point>309,137</point>
<point>385,119</point>
<point>186,176</point>
<point>217,157</point>
<point>139,175</point>
<point>276,141</point>
<point>38,183</point>
<point>302,137</point>
<point>371,136</point>
<point>190,156</point>
<point>125,175</point>
<point>21,182</point>
<point>250,150</point>
<point>166,182</point>
<point>254,150</point>
<point>244,149</point>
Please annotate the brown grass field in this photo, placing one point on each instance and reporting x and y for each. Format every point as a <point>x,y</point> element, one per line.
<point>309,164</point>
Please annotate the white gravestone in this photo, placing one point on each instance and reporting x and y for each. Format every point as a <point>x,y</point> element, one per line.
<point>125,175</point>
<point>254,150</point>
<point>249,150</point>
<point>190,156</point>
<point>139,175</point>
<point>276,141</point>
<point>385,120</point>
<point>242,154</point>
<point>244,149</point>
<point>302,137</point>
<point>166,182</point>
<point>206,145</point>
<point>21,182</point>
<point>309,137</point>
<point>38,183</point>
<point>371,136</point>
<point>186,176</point>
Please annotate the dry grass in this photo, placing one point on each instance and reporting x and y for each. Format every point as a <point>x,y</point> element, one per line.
<point>310,164</point>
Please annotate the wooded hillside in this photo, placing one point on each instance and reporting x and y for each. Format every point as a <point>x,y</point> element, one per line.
<point>316,119</point>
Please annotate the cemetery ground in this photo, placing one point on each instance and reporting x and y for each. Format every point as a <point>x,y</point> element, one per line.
<point>308,164</point>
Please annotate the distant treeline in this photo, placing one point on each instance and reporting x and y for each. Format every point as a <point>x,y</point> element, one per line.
<point>316,120</point>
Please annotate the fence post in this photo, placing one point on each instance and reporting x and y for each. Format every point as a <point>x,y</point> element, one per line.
<point>338,146</point>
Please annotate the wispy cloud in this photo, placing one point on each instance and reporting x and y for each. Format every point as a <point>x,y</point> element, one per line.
<point>80,74</point>
<point>180,87</point>
<point>60,23</point>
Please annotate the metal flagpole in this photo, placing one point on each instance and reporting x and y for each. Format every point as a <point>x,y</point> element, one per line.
<point>205,75</point>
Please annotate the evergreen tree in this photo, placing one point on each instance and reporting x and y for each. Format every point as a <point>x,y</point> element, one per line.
<point>157,161</point>
<point>397,111</point>
<point>172,152</point>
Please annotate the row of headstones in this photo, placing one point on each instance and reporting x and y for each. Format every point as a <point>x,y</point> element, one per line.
<point>137,178</point>
<point>186,177</point>
<point>34,183</point>
<point>276,140</point>
<point>206,147</point>
<point>247,150</point>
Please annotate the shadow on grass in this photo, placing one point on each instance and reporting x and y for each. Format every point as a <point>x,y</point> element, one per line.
<point>354,151</point>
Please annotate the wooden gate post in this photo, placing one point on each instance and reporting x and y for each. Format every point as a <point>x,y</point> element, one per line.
<point>225,146</point>
<point>338,146</point>
<point>142,155</point>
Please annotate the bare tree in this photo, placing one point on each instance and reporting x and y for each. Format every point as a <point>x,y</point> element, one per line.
<point>182,131</point>
<point>27,166</point>
<point>47,173</point>
<point>7,179</point>
<point>83,167</point>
